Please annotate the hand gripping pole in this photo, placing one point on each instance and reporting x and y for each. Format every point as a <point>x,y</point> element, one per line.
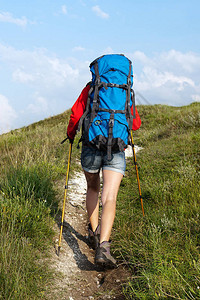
<point>64,201</point>
<point>136,168</point>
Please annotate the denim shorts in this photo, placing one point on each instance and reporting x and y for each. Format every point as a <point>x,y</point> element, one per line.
<point>92,160</point>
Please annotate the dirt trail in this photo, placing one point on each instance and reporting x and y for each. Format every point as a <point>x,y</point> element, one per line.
<point>80,279</point>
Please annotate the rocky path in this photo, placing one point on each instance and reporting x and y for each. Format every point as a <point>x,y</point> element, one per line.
<point>80,279</point>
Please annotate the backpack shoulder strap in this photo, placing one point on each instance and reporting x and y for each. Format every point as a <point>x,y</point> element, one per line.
<point>95,102</point>
<point>87,107</point>
<point>129,96</point>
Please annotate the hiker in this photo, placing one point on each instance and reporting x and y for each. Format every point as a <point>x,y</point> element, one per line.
<point>94,158</point>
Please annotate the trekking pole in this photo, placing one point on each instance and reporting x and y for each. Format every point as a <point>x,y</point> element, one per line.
<point>65,194</point>
<point>136,168</point>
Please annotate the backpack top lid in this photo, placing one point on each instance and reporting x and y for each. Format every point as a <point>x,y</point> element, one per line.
<point>114,62</point>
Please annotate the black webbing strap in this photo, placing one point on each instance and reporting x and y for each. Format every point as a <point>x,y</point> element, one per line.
<point>110,135</point>
<point>86,110</point>
<point>133,101</point>
<point>121,86</point>
<point>94,61</point>
<point>96,70</point>
<point>128,96</point>
<point>95,102</point>
<point>115,111</point>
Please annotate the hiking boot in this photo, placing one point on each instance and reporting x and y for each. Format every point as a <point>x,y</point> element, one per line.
<point>103,256</point>
<point>93,237</point>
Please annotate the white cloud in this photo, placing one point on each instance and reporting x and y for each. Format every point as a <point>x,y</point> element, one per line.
<point>196,98</point>
<point>187,62</point>
<point>64,9</point>
<point>39,68</point>
<point>108,50</point>
<point>8,18</point>
<point>7,115</point>
<point>61,71</point>
<point>78,48</point>
<point>158,79</point>
<point>39,106</point>
<point>170,77</point>
<point>140,56</point>
<point>99,12</point>
<point>21,76</point>
<point>45,84</point>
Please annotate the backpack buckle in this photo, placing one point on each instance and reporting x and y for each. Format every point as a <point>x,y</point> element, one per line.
<point>97,81</point>
<point>111,122</point>
<point>111,84</point>
<point>129,81</point>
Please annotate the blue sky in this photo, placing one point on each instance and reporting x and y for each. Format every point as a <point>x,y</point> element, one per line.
<point>46,48</point>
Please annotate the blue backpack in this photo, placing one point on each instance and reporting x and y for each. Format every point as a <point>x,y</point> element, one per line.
<point>107,120</point>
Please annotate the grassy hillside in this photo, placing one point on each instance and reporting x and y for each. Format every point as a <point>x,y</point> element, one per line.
<point>162,248</point>
<point>32,164</point>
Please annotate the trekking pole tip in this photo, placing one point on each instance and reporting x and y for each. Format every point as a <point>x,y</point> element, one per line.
<point>58,253</point>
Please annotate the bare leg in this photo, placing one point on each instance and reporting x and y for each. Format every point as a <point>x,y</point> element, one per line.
<point>92,200</point>
<point>111,183</point>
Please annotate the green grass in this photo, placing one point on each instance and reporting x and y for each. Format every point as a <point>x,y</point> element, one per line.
<point>26,232</point>
<point>32,162</point>
<point>161,249</point>
<point>21,274</point>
